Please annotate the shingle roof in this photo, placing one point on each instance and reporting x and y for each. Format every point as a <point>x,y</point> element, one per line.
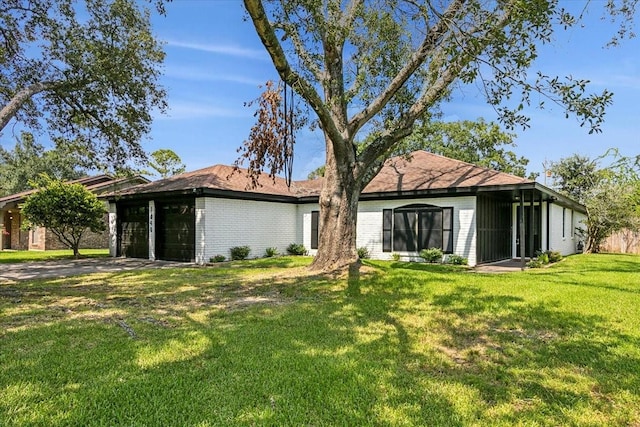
<point>218,177</point>
<point>427,171</point>
<point>423,171</point>
<point>96,184</point>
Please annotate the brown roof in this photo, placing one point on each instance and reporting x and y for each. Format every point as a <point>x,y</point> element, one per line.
<point>418,171</point>
<point>427,171</point>
<point>97,184</point>
<point>218,177</point>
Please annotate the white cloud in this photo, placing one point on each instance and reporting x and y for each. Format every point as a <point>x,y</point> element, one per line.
<point>198,110</point>
<point>222,49</point>
<point>188,73</point>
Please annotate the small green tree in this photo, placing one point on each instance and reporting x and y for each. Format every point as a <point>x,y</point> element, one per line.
<point>166,163</point>
<point>68,210</point>
<point>611,206</point>
<point>576,176</point>
<point>610,194</point>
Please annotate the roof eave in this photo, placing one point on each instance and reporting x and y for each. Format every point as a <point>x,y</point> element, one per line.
<point>514,189</point>
<point>199,192</point>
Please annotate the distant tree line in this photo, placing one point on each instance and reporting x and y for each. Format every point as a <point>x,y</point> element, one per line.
<point>610,193</point>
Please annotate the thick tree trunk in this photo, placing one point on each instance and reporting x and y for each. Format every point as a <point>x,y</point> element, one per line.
<point>595,237</point>
<point>338,217</point>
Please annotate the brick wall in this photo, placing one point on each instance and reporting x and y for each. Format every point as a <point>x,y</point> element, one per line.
<point>224,223</point>
<point>89,240</point>
<point>37,238</point>
<point>19,238</point>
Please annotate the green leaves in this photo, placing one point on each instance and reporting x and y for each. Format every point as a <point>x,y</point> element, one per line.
<point>611,194</point>
<point>166,162</point>
<point>576,175</point>
<point>66,209</point>
<point>381,65</point>
<point>101,66</point>
<point>476,142</point>
<point>29,158</point>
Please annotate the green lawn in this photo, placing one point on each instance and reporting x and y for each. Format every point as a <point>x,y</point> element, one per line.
<point>264,343</point>
<point>9,256</point>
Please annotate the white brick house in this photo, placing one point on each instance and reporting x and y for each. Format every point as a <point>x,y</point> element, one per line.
<point>429,201</point>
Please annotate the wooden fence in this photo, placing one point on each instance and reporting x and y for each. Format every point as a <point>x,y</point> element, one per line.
<point>625,242</point>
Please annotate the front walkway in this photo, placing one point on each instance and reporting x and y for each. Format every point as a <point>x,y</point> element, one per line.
<point>65,268</point>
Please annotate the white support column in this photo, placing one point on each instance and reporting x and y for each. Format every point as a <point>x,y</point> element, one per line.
<point>113,229</point>
<point>152,230</point>
<point>200,239</point>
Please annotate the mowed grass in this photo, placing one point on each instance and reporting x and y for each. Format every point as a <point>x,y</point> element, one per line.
<point>265,343</point>
<point>9,256</point>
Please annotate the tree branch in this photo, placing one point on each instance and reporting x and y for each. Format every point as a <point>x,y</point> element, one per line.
<point>350,15</point>
<point>298,45</point>
<point>450,72</point>
<point>20,98</point>
<point>417,59</point>
<point>272,45</point>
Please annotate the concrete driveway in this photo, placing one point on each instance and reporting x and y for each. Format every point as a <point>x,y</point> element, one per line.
<point>65,268</point>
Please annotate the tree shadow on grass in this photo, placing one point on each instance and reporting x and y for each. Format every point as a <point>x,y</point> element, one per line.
<point>392,347</point>
<point>315,361</point>
<point>526,361</point>
<point>558,361</point>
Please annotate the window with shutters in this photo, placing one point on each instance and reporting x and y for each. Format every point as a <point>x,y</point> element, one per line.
<point>416,227</point>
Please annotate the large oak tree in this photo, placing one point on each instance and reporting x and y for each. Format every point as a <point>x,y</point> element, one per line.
<point>84,70</point>
<point>369,69</point>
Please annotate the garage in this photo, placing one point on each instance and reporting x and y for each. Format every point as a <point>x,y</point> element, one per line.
<point>133,230</point>
<point>175,230</point>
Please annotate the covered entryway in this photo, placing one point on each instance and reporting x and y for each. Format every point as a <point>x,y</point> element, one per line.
<point>133,230</point>
<point>532,222</point>
<point>493,219</point>
<point>176,230</point>
<point>512,217</point>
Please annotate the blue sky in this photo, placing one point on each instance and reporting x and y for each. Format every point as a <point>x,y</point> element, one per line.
<point>215,63</point>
